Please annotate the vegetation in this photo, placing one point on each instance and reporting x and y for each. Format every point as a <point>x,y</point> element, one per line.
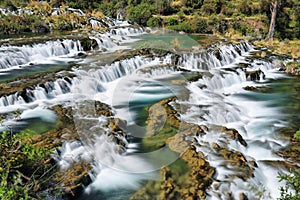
<point>297,134</point>
<point>241,17</point>
<point>291,190</point>
<point>25,168</point>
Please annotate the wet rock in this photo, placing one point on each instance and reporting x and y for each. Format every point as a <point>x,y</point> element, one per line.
<point>74,180</point>
<point>199,175</point>
<point>169,189</point>
<point>41,28</point>
<point>88,44</point>
<point>253,163</point>
<point>255,75</point>
<point>243,196</point>
<point>117,124</point>
<point>235,135</point>
<point>254,88</point>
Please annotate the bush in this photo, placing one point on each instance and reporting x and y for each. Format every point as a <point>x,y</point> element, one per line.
<point>217,23</point>
<point>182,27</point>
<point>154,21</point>
<point>140,13</point>
<point>244,7</point>
<point>199,25</point>
<point>171,21</point>
<point>107,8</point>
<point>297,134</point>
<point>292,180</point>
<point>23,168</point>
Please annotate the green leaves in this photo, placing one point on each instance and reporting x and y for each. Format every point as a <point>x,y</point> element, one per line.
<point>291,190</point>
<point>140,13</point>
<point>297,135</point>
<point>22,164</point>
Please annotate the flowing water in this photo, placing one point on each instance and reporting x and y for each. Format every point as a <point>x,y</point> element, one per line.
<point>131,84</point>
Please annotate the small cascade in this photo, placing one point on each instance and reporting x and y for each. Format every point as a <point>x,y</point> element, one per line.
<point>127,31</point>
<point>104,42</point>
<point>48,90</point>
<point>225,55</point>
<point>157,71</point>
<point>96,23</point>
<point>113,39</point>
<point>18,12</point>
<point>60,11</point>
<point>14,56</point>
<point>199,61</point>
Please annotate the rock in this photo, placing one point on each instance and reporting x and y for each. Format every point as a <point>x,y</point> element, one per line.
<point>88,44</point>
<point>255,75</point>
<point>41,28</point>
<point>243,196</point>
<point>74,180</point>
<point>253,163</point>
<point>168,185</point>
<point>235,135</point>
<point>254,88</point>
<point>117,124</point>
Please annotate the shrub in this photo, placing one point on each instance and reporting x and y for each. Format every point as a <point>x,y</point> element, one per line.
<point>199,25</point>
<point>171,21</point>
<point>182,27</point>
<point>291,190</point>
<point>23,171</point>
<point>155,21</point>
<point>297,134</point>
<point>140,13</point>
<point>245,7</point>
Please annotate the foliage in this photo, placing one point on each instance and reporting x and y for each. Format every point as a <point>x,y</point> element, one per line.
<point>24,171</point>
<point>291,190</point>
<point>140,13</point>
<point>171,21</point>
<point>245,7</point>
<point>154,21</point>
<point>143,12</point>
<point>182,27</point>
<point>297,135</point>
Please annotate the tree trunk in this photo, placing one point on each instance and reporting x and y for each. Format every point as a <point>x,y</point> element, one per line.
<point>273,19</point>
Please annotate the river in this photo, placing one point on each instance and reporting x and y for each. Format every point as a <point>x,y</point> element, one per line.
<point>219,97</point>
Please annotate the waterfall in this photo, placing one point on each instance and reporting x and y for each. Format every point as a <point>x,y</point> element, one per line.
<point>85,83</point>
<point>127,31</point>
<point>14,56</point>
<point>48,90</point>
<point>215,100</point>
<point>225,55</point>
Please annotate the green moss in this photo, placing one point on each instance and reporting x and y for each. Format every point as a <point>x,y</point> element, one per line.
<point>180,169</point>
<point>159,140</point>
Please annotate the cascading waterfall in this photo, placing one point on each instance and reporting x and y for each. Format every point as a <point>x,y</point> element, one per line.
<point>127,31</point>
<point>225,55</point>
<point>14,56</point>
<point>222,107</point>
<point>214,100</point>
<point>48,90</point>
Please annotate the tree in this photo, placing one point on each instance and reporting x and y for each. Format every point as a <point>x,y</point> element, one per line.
<point>140,13</point>
<point>273,20</point>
